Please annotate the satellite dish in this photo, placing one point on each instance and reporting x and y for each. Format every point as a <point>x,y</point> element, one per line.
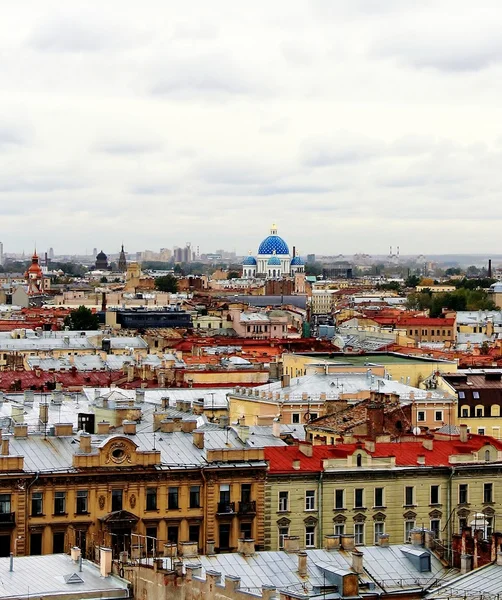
<point>417,431</point>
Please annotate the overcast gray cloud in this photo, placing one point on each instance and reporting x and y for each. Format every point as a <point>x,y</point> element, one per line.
<point>352,124</point>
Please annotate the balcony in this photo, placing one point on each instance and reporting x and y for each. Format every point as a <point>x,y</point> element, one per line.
<point>226,508</point>
<point>247,508</point>
<point>8,519</point>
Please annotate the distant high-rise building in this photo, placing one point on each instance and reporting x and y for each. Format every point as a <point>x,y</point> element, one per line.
<point>1,253</point>
<point>94,253</point>
<point>311,258</point>
<point>51,253</point>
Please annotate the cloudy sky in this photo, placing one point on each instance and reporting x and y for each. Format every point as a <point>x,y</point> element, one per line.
<point>354,125</point>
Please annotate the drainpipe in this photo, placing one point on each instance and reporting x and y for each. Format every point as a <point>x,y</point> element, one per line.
<point>320,507</point>
<point>449,530</point>
<point>27,507</point>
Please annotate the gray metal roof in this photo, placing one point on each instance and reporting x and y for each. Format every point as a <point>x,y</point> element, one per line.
<point>337,383</point>
<point>390,568</point>
<point>278,569</point>
<point>36,576</point>
<point>485,583</point>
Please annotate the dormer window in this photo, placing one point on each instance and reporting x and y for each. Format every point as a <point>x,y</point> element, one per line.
<point>359,460</point>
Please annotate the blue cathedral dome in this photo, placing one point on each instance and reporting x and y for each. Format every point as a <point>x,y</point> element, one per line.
<point>273,244</point>
<point>297,260</point>
<point>249,261</point>
<point>274,261</point>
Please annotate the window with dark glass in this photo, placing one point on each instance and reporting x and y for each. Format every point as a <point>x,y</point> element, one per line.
<point>82,496</point>
<point>193,533</point>
<point>379,496</point>
<point>339,498</point>
<point>117,497</point>
<point>358,498</point>
<point>462,493</point>
<point>151,498</point>
<point>408,495</point>
<point>37,507</point>
<point>225,494</point>
<point>59,503</point>
<point>4,504</point>
<point>246,529</point>
<point>173,498</point>
<point>488,492</point>
<point>195,496</point>
<point>151,540</point>
<point>435,494</point>
<point>172,534</point>
<point>246,492</point>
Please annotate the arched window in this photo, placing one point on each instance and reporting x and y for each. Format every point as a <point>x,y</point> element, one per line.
<point>359,460</point>
<point>479,411</point>
<point>495,410</point>
<point>487,455</point>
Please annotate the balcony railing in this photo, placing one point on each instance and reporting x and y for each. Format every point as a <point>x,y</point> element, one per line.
<point>7,519</point>
<point>247,508</point>
<point>226,508</point>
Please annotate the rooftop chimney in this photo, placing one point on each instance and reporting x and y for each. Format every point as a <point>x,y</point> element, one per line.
<point>245,546</point>
<point>416,537</point>
<point>302,564</point>
<point>306,449</point>
<point>331,542</point>
<point>85,442</point>
<point>489,268</point>
<point>347,541</point>
<point>198,439</point>
<point>464,436</point>
<point>43,412</point>
<point>105,561</point>
<point>63,429</point>
<point>103,428</point>
<point>428,443</point>
<point>20,430</point>
<point>357,562</point>
<point>276,428</point>
<point>5,444</point>
<point>291,543</point>
<point>383,540</point>
<point>465,563</point>
<point>129,427</point>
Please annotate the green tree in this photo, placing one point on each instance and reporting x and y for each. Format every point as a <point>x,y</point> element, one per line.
<point>167,283</point>
<point>103,280</point>
<point>233,275</point>
<point>82,319</point>
<point>412,281</point>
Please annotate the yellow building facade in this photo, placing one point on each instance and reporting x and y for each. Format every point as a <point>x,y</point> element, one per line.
<point>122,491</point>
<point>365,493</point>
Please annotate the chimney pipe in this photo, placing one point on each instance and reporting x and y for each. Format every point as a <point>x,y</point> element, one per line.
<point>302,564</point>
<point>489,268</point>
<point>464,436</point>
<point>105,561</point>
<point>11,568</point>
<point>5,444</point>
<point>357,562</point>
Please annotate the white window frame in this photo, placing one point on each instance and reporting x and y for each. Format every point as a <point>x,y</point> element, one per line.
<point>310,536</point>
<point>378,525</point>
<point>310,500</point>
<point>408,526</point>
<point>281,503</point>
<point>359,534</point>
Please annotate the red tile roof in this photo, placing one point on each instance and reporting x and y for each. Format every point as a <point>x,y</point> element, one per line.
<point>406,453</point>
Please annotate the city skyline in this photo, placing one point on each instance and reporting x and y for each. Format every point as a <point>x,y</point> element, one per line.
<point>352,125</point>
